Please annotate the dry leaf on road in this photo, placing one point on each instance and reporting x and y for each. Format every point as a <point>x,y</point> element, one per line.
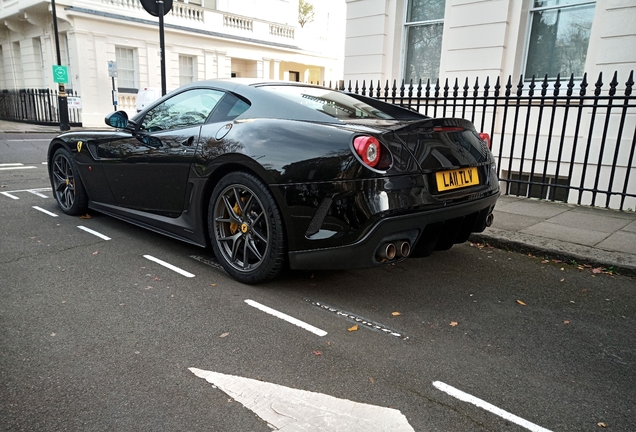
<point>316,353</point>
<point>224,335</point>
<point>453,323</point>
<point>601,424</point>
<point>354,328</point>
<point>86,216</point>
<point>521,303</point>
<point>396,313</point>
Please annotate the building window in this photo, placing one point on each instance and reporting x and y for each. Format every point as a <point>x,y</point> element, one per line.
<point>294,76</point>
<point>559,37</point>
<point>126,76</point>
<point>423,29</point>
<point>186,69</point>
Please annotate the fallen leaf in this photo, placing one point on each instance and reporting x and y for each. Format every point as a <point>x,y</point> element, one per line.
<point>453,324</point>
<point>396,313</point>
<point>371,380</point>
<point>156,278</point>
<point>224,335</point>
<point>95,253</point>
<point>601,424</point>
<point>597,270</point>
<point>566,322</point>
<point>148,287</point>
<point>545,262</point>
<point>63,301</point>
<point>316,353</point>
<point>86,216</point>
<point>562,280</point>
<point>521,303</point>
<point>53,334</point>
<point>557,261</point>
<point>354,328</point>
<point>212,284</point>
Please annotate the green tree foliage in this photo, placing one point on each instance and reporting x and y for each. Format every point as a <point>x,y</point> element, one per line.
<point>305,12</point>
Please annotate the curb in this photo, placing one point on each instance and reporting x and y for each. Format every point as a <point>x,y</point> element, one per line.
<point>625,264</point>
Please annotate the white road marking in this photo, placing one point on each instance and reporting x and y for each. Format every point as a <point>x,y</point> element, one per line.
<point>95,233</point>
<point>17,167</point>
<point>38,194</point>
<point>7,194</point>
<point>45,211</point>
<point>293,410</point>
<point>488,407</point>
<point>170,266</point>
<point>10,164</point>
<point>287,318</point>
<point>29,139</point>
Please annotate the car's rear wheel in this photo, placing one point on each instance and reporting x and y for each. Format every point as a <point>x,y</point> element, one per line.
<point>67,186</point>
<point>246,228</point>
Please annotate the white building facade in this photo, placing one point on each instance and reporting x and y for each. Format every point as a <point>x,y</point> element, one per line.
<point>204,39</point>
<point>587,148</point>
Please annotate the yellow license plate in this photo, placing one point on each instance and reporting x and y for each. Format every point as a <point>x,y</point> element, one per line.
<point>454,179</point>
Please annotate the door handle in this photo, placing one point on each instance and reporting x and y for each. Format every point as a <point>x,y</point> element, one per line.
<point>188,142</point>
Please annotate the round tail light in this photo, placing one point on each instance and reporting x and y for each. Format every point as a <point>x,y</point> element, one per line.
<point>369,149</point>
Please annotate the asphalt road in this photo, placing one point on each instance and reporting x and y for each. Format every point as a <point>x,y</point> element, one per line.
<point>95,336</point>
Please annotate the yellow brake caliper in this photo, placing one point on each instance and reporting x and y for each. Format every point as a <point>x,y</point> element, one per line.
<point>233,225</point>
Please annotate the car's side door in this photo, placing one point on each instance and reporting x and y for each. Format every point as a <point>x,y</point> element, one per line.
<point>148,169</point>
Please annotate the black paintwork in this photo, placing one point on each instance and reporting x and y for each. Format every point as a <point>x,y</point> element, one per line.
<point>333,206</point>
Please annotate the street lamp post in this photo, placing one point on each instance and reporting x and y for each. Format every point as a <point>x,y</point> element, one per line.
<point>62,101</point>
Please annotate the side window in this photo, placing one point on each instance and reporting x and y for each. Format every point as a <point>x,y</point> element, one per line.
<point>186,109</point>
<point>229,108</point>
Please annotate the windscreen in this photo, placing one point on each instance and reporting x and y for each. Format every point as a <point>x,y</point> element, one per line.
<point>333,103</point>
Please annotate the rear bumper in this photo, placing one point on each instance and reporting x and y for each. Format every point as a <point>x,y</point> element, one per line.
<point>424,230</point>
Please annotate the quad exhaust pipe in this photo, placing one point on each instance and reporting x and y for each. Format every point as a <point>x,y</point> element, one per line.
<point>390,251</point>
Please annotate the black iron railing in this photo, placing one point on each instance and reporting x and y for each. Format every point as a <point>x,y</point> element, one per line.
<point>555,142</point>
<point>36,106</point>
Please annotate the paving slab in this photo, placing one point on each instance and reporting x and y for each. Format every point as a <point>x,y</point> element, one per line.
<point>570,234</point>
<point>622,241</point>
<point>529,207</point>
<point>512,221</point>
<point>594,221</point>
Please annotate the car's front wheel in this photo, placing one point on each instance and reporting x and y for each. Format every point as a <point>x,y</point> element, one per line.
<point>67,186</point>
<point>246,228</point>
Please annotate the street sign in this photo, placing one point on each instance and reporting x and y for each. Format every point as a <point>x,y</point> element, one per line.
<point>112,69</point>
<point>60,74</point>
<point>152,7</point>
<point>74,102</point>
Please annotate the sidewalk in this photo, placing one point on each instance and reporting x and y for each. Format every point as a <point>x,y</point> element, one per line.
<point>587,235</point>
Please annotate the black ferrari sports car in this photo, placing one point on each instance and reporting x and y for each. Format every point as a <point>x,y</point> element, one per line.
<point>276,174</point>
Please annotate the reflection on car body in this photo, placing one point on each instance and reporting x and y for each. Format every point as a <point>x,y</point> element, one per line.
<point>274,175</point>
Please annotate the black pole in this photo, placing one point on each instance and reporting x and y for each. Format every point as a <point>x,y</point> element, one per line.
<point>62,101</point>
<point>162,47</point>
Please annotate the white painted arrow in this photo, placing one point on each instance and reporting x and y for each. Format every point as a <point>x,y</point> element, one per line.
<point>291,410</point>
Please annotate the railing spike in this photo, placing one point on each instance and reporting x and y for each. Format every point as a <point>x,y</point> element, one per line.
<point>497,87</point>
<point>613,84</point>
<point>544,85</point>
<point>456,87</point>
<point>476,87</point>
<point>570,85</point>
<point>446,88</point>
<point>520,86</point>
<point>629,84</point>
<point>557,85</point>
<point>364,88</point>
<point>583,85</point>
<point>599,84</point>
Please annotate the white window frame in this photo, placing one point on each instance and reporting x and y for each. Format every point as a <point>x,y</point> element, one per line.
<point>405,37</point>
<point>122,67</point>
<point>526,50</point>
<point>189,76</point>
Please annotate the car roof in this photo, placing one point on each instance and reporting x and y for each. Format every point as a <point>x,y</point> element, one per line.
<point>266,104</point>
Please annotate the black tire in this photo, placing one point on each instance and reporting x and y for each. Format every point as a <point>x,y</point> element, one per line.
<point>246,229</point>
<point>68,188</point>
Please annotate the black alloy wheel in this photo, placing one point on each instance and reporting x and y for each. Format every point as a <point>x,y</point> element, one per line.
<point>246,229</point>
<point>67,186</point>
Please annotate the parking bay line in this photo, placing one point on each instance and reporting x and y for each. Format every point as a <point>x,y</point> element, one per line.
<point>285,317</point>
<point>16,167</point>
<point>95,233</point>
<point>7,194</point>
<point>458,394</point>
<point>169,266</point>
<point>36,193</point>
<point>44,211</point>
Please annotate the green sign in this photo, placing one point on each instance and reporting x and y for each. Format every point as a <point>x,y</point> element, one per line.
<point>60,74</point>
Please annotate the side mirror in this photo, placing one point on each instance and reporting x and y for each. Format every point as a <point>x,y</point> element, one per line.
<point>117,119</point>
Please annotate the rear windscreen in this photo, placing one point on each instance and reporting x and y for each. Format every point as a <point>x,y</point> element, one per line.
<point>333,103</point>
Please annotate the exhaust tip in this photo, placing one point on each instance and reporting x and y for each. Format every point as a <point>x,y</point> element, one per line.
<point>490,219</point>
<point>404,249</point>
<point>387,251</point>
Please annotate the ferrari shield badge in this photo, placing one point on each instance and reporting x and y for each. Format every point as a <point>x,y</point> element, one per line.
<point>79,146</point>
